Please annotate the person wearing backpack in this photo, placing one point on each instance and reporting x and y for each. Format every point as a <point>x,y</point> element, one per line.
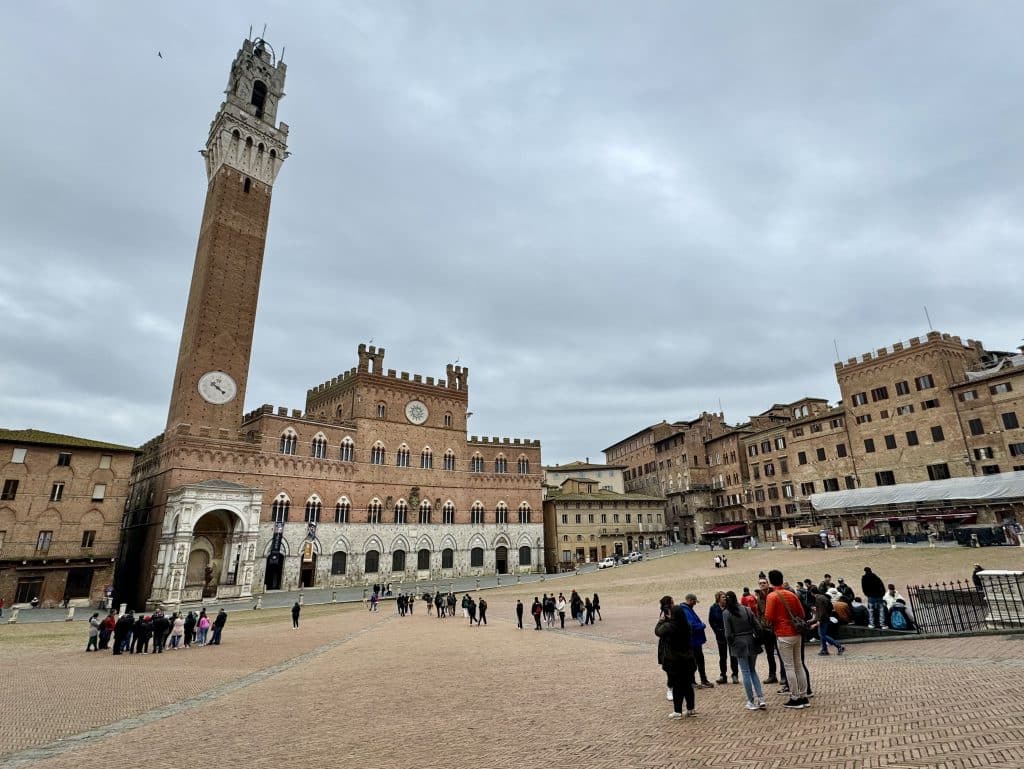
<point>899,616</point>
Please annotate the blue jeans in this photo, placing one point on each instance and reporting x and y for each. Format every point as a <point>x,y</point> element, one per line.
<point>876,612</point>
<point>751,683</point>
<point>826,639</point>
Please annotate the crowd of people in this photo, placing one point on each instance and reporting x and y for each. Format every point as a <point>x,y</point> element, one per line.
<point>776,619</point>
<point>131,634</point>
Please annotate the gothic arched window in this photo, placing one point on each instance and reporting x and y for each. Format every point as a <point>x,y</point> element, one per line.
<point>476,556</point>
<point>402,457</point>
<point>523,466</point>
<point>524,556</point>
<point>524,513</point>
<point>313,509</point>
<point>427,459</point>
<point>289,440</point>
<point>501,513</point>
<point>448,512</point>
<point>476,464</point>
<point>425,511</point>
<point>373,511</point>
<point>279,509</point>
<point>449,460</point>
<point>319,446</point>
<point>342,510</point>
<point>447,558</point>
<point>423,560</point>
<point>372,563</point>
<point>501,465</point>
<point>377,454</point>
<point>348,450</point>
<point>401,511</point>
<point>338,562</point>
<point>477,513</point>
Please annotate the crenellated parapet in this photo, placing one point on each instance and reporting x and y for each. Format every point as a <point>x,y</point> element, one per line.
<point>490,442</point>
<point>915,343</point>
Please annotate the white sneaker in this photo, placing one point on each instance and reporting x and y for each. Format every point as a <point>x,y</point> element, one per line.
<point>673,715</point>
<point>752,706</point>
<point>668,694</point>
<point>761,704</point>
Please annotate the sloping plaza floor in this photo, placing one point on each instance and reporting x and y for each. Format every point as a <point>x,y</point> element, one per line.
<point>357,689</point>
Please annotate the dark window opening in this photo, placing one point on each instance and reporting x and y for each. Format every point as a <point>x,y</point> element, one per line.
<point>259,96</point>
<point>248,185</point>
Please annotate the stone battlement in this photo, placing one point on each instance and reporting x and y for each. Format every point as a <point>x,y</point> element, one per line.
<point>913,343</point>
<point>371,361</point>
<point>485,441</point>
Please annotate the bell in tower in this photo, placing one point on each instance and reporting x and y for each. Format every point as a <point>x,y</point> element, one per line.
<point>244,152</point>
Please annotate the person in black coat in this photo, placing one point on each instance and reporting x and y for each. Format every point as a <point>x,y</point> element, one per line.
<point>874,589</point>
<point>676,657</point>
<point>519,613</point>
<point>123,629</point>
<point>161,627</point>
<point>296,609</point>
<point>218,626</point>
<point>190,628</point>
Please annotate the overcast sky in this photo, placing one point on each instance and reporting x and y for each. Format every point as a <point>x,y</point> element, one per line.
<point>613,213</point>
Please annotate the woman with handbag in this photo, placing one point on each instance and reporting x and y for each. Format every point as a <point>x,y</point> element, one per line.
<point>743,634</point>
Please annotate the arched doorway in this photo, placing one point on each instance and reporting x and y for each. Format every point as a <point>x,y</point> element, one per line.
<point>307,574</point>
<point>274,572</point>
<point>501,559</point>
<point>211,560</point>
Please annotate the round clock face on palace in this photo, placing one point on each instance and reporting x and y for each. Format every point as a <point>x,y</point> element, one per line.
<point>416,412</point>
<point>217,387</point>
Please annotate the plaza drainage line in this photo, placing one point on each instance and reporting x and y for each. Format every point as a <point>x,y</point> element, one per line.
<point>82,739</point>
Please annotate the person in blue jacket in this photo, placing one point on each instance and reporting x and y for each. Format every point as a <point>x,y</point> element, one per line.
<point>697,640</point>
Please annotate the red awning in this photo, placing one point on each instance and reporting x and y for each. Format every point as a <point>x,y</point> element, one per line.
<point>726,529</point>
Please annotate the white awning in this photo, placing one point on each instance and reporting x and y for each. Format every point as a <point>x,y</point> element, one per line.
<point>994,487</point>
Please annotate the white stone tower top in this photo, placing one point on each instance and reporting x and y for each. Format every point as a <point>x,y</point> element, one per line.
<point>243,134</point>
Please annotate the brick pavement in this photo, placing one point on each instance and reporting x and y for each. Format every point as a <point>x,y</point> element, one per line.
<point>373,690</point>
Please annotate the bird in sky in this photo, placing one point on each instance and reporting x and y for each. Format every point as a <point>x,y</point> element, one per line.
<point>159,54</point>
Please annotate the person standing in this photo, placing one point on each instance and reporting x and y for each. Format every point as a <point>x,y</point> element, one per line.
<point>177,630</point>
<point>296,611</point>
<point>519,613</point>
<point>470,609</point>
<point>1,606</point>
<point>202,628</point>
<point>698,637</point>
<point>768,634</point>
<point>482,611</point>
<point>675,654</point>
<point>107,629</point>
<point>161,627</point>
<point>741,630</point>
<point>218,626</point>
<point>597,607</point>
<point>874,589</point>
<point>716,621</point>
<point>190,628</point>
<point>94,633</point>
<point>122,631</point>
<point>536,610</point>
<point>976,578</point>
<point>560,606</point>
<point>785,613</point>
<point>588,609</point>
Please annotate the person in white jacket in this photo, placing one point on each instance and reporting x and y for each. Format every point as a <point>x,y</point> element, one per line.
<point>892,595</point>
<point>560,608</point>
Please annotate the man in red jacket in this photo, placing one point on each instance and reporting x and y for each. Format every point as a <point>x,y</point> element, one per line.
<point>782,609</point>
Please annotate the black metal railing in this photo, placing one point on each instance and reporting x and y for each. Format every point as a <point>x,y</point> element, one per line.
<point>962,607</point>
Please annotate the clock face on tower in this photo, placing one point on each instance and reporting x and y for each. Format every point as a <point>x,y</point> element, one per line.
<point>416,412</point>
<point>217,387</point>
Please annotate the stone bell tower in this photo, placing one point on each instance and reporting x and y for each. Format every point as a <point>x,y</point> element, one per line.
<point>243,154</point>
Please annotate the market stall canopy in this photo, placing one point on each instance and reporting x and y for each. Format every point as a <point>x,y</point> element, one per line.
<point>727,529</point>
<point>987,487</point>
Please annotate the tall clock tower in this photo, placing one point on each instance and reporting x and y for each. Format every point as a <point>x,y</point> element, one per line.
<point>244,152</point>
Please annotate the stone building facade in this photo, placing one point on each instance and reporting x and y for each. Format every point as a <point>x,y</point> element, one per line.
<point>584,523</point>
<point>61,502</point>
<point>375,480</point>
<point>608,477</point>
<point>637,454</point>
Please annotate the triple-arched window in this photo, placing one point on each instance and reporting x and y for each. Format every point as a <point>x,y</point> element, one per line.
<point>449,460</point>
<point>313,509</point>
<point>425,511</point>
<point>348,450</point>
<point>426,459</point>
<point>477,513</point>
<point>289,441</point>
<point>501,465</point>
<point>401,511</point>
<point>402,457</point>
<point>501,513</point>
<point>476,464</point>
<point>523,466</point>
<point>524,513</point>
<point>318,449</point>
<point>342,510</point>
<point>377,454</point>
<point>448,512</point>
<point>374,511</point>
<point>279,509</point>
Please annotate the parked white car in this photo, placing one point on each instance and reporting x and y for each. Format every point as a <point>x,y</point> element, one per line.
<point>606,563</point>
<point>635,556</point>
